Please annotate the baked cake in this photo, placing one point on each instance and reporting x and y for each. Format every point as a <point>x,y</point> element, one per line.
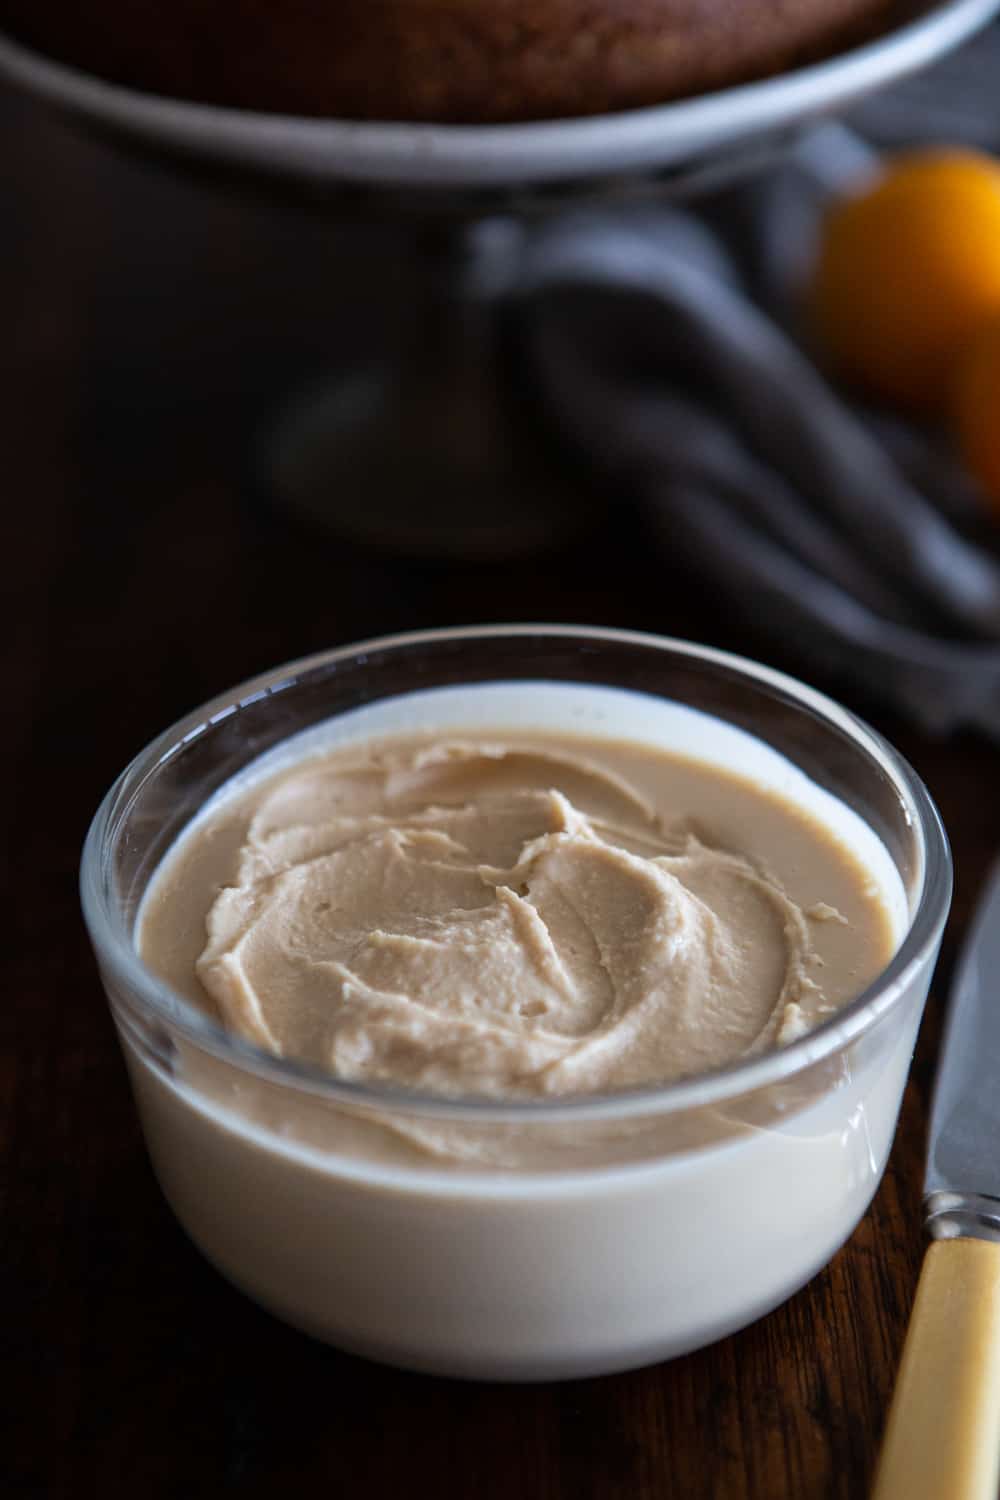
<point>444,60</point>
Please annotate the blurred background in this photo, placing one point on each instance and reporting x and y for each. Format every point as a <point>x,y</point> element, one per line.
<point>155,325</point>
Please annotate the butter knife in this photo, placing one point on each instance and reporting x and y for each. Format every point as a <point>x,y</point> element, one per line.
<point>942,1440</point>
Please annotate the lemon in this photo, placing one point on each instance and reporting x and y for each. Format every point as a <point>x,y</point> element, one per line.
<point>907,270</point>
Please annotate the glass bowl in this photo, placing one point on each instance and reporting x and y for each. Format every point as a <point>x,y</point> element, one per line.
<point>568,1236</point>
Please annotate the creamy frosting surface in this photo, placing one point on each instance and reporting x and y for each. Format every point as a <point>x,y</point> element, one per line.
<point>512,921</point>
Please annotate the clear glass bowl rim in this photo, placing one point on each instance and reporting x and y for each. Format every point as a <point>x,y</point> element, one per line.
<point>113,945</point>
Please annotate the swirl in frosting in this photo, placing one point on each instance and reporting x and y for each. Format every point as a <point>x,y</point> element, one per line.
<point>469,918</point>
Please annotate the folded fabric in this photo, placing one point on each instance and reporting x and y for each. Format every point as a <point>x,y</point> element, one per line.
<point>650,354</point>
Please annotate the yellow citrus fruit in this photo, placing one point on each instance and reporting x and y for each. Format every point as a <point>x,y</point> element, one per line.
<point>907,269</point>
<point>976,408</point>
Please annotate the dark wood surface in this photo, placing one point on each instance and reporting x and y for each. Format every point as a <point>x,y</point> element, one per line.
<point>148,330</point>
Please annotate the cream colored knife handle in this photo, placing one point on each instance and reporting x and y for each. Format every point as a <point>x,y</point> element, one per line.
<point>942,1441</point>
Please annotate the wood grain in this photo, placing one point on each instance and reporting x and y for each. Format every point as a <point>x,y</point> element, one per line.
<point>149,328</point>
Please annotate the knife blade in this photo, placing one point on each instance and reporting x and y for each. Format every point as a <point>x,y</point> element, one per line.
<point>962,1185</point>
<point>942,1439</point>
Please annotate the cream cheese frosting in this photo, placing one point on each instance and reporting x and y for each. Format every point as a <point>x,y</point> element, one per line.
<point>615,886</point>
<point>511,920</point>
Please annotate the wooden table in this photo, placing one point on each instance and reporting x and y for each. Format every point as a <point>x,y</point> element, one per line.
<point>149,327</point>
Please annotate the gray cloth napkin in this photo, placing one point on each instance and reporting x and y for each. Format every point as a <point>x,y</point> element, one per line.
<point>663,345</point>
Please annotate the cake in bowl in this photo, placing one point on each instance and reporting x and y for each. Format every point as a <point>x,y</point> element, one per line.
<point>450,61</point>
